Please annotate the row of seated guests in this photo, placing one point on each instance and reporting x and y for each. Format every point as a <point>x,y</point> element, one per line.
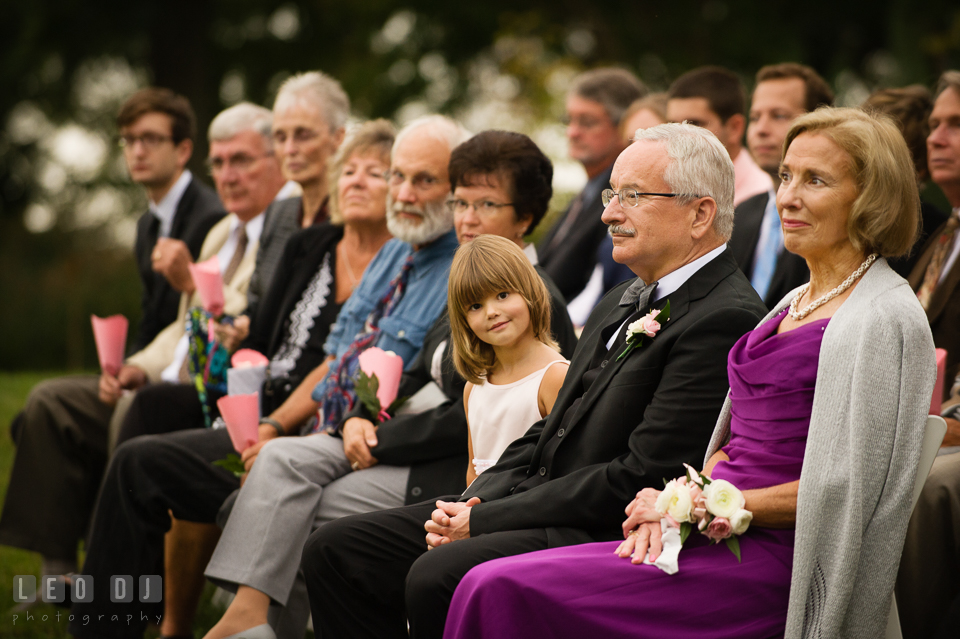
<point>297,142</point>
<point>63,434</point>
<point>822,426</point>
<point>502,186</point>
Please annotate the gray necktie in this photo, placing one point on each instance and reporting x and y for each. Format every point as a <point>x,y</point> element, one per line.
<point>638,294</point>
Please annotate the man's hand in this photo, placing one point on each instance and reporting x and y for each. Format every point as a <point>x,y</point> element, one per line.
<point>129,378</point>
<point>637,542</point>
<point>171,258</point>
<point>230,336</point>
<point>359,436</point>
<point>449,522</point>
<point>265,433</point>
<point>642,510</point>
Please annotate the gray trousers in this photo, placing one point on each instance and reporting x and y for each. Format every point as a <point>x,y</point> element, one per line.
<point>297,484</point>
<point>929,577</point>
<point>62,449</point>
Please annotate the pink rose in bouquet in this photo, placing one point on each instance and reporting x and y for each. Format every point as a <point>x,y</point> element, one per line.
<point>718,529</point>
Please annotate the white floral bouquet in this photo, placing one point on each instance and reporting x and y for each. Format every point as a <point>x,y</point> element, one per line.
<point>715,507</point>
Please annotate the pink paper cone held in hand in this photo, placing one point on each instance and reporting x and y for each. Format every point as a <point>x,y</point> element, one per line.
<point>242,415</point>
<point>110,334</point>
<point>248,358</point>
<point>388,367</point>
<point>206,277</point>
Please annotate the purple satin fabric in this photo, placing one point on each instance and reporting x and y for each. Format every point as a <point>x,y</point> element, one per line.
<point>586,590</point>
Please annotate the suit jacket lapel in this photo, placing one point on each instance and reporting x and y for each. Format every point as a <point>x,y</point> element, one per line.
<point>180,217</point>
<point>701,283</point>
<point>743,243</point>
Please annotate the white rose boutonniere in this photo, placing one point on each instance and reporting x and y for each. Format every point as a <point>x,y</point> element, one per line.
<point>647,326</point>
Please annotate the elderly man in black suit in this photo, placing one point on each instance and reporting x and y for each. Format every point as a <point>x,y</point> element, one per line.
<point>626,416</point>
<point>596,102</point>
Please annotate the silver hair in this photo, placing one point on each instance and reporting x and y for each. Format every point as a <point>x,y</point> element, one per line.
<point>317,90</point>
<point>241,117</point>
<point>440,128</point>
<point>700,166</point>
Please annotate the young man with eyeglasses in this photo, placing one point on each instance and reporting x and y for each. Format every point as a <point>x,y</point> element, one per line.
<point>157,129</point>
<point>595,103</point>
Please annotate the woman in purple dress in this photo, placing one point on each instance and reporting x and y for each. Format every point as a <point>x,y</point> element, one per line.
<point>821,431</point>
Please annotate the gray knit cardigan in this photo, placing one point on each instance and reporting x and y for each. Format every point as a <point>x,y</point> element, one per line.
<point>874,382</point>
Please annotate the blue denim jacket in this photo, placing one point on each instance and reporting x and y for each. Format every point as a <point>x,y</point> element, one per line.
<point>422,302</point>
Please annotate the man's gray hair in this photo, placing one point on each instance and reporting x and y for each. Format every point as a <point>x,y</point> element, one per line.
<point>614,88</point>
<point>949,80</point>
<point>439,127</point>
<point>317,90</point>
<point>700,166</point>
<point>241,117</point>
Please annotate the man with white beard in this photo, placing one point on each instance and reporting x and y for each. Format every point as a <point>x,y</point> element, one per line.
<point>401,294</point>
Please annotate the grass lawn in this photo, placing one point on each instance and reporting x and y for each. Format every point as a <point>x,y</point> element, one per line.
<point>44,622</point>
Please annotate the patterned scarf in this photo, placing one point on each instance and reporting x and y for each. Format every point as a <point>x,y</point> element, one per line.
<point>207,362</point>
<point>337,387</point>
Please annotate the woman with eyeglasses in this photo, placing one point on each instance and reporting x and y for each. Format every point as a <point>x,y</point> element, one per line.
<point>821,431</point>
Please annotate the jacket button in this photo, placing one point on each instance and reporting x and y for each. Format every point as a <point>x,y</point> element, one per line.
<point>543,471</point>
<point>512,488</point>
<point>401,333</point>
<point>560,433</point>
<point>603,364</point>
<point>415,491</point>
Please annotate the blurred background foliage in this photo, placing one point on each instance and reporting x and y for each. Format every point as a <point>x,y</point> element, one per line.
<point>67,211</point>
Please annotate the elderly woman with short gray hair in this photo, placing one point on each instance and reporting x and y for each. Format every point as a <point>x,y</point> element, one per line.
<point>821,432</point>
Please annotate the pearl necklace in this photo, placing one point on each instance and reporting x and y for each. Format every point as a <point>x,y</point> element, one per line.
<point>823,299</point>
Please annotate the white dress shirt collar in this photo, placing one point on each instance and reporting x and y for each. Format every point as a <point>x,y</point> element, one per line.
<point>166,208</point>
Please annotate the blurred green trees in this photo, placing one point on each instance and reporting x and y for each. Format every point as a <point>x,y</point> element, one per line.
<point>66,209</point>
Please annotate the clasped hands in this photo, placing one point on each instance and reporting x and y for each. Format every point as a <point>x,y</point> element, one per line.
<point>449,522</point>
<point>641,529</point>
<point>171,258</point>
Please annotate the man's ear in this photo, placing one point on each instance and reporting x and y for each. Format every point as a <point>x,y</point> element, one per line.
<point>703,219</point>
<point>736,124</point>
<point>184,150</point>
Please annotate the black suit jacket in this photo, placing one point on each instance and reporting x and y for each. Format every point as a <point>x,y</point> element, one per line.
<point>198,210</point>
<point>944,309</point>
<point>639,421</point>
<point>300,260</point>
<point>791,270</point>
<point>570,263</point>
<point>434,443</point>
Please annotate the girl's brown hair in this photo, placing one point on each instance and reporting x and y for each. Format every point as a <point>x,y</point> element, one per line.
<point>488,265</point>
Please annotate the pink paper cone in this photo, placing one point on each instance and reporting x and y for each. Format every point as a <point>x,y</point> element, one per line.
<point>110,334</point>
<point>388,368</point>
<point>936,402</point>
<point>206,277</point>
<point>247,357</point>
<point>242,415</point>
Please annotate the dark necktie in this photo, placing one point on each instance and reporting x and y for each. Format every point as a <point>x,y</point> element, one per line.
<point>237,255</point>
<point>938,260</point>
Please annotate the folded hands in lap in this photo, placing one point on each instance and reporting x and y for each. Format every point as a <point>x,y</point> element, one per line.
<point>641,529</point>
<point>449,522</point>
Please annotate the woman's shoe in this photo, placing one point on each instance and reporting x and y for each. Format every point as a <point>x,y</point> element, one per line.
<point>263,631</point>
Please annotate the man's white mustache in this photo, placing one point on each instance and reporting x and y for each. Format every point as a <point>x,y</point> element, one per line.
<point>614,229</point>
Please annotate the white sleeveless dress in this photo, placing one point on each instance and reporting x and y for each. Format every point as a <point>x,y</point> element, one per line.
<point>501,413</point>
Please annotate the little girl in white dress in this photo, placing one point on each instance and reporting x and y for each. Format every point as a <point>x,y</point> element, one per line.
<point>500,333</point>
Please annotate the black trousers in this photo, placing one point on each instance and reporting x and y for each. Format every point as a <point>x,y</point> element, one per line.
<point>161,408</point>
<point>148,477</point>
<point>367,574</point>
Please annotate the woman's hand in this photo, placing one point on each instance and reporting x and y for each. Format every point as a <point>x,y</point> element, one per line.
<point>645,537</point>
<point>642,510</point>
